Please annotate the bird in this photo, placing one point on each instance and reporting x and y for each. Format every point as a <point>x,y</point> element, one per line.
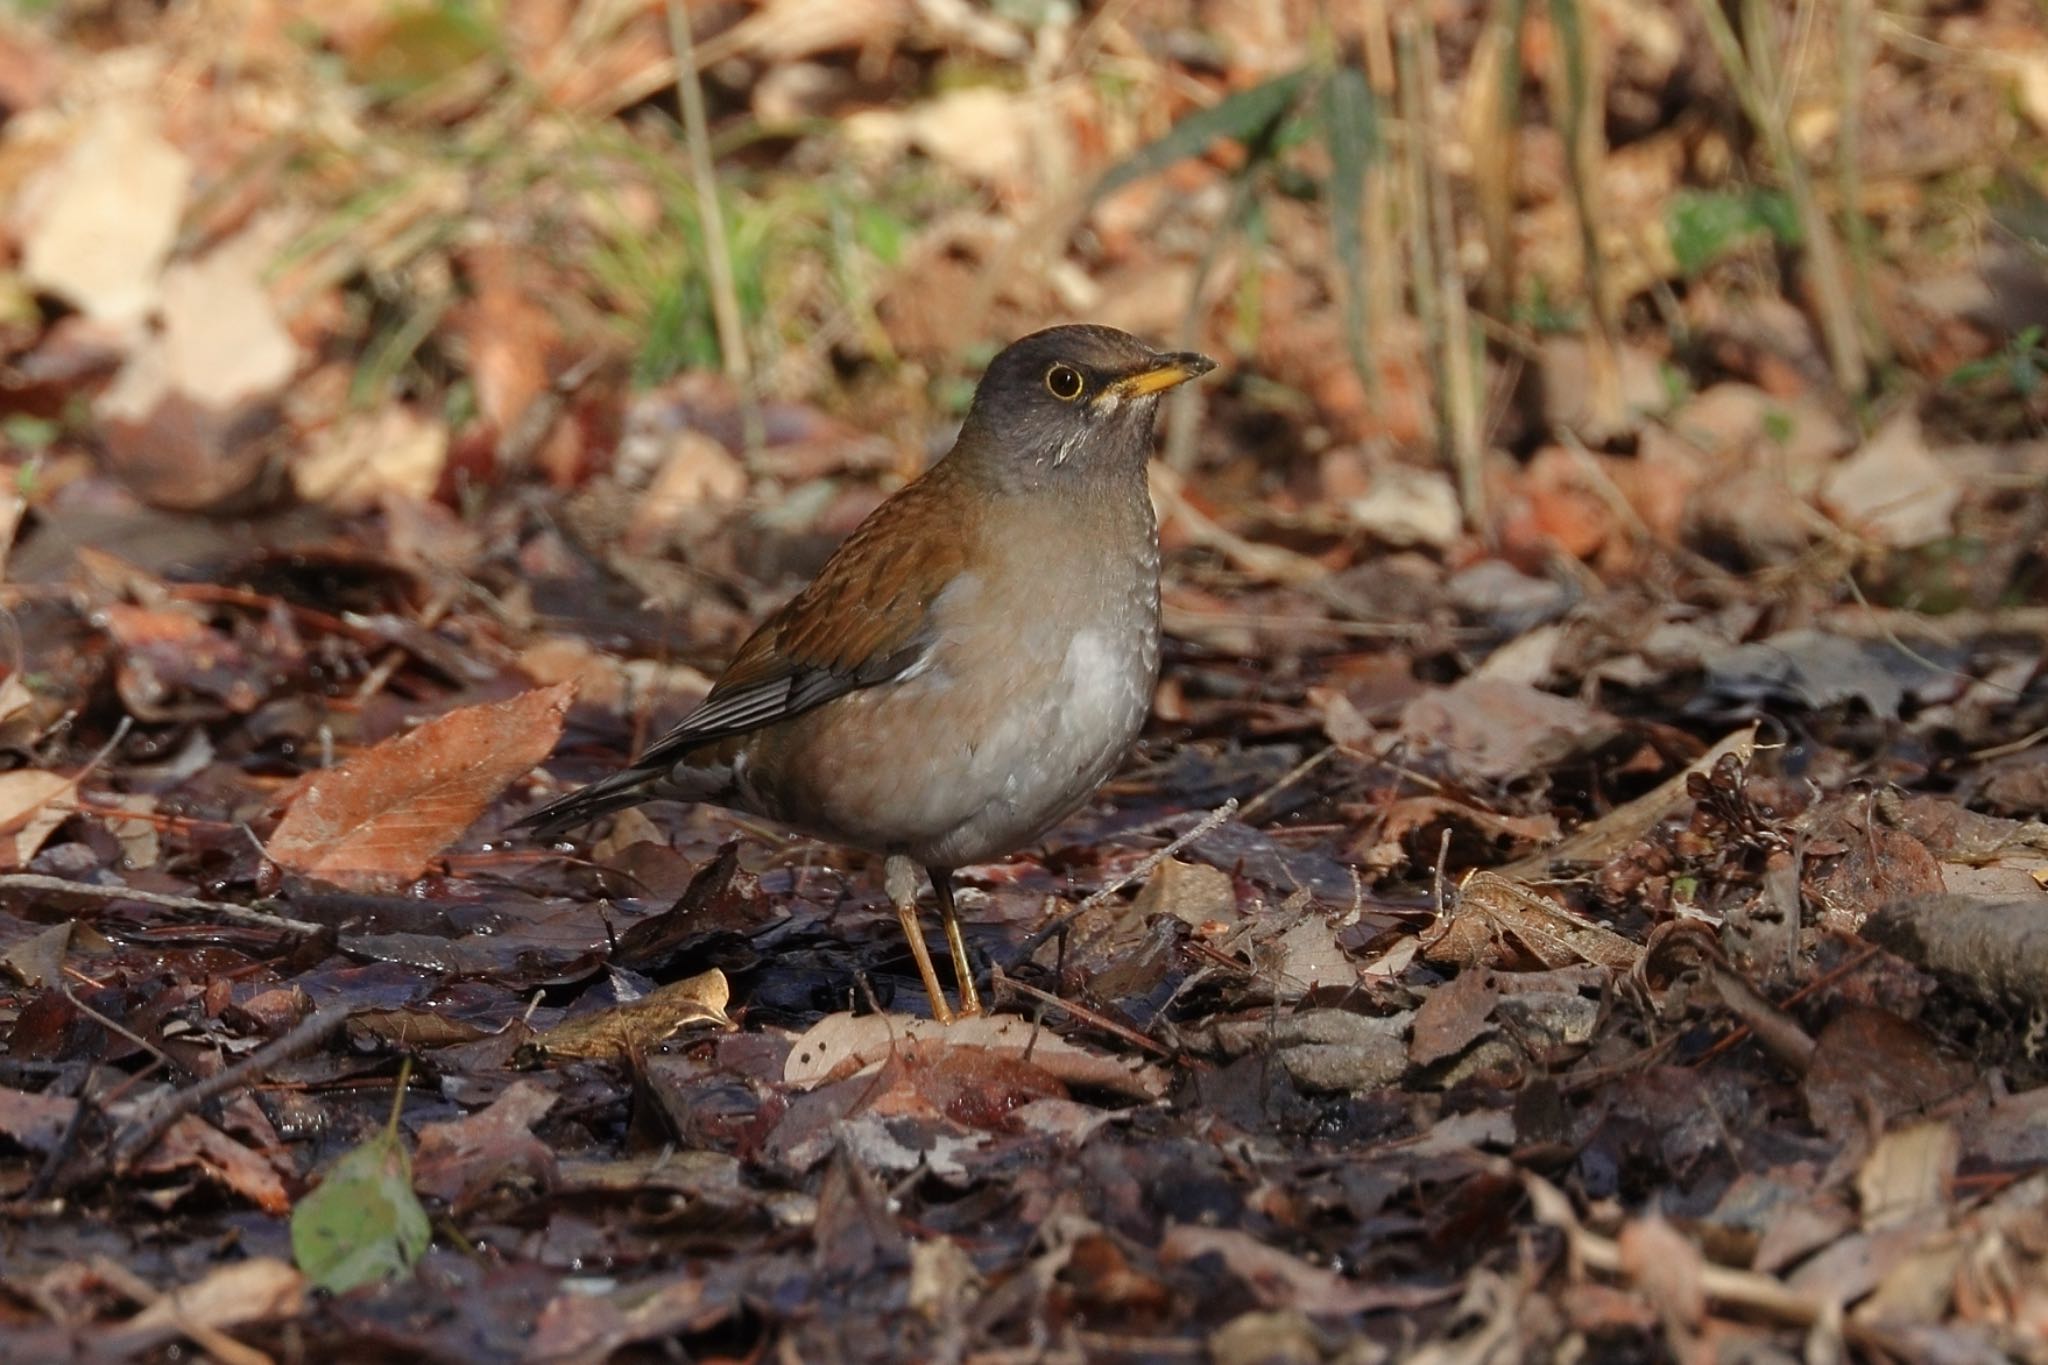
<point>972,661</point>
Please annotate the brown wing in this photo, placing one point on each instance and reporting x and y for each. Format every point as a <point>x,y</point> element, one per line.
<point>863,620</point>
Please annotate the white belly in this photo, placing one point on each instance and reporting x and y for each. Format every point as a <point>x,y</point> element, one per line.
<point>1047,753</point>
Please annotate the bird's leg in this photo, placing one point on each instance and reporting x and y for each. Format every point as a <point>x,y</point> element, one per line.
<point>899,879</point>
<point>963,966</point>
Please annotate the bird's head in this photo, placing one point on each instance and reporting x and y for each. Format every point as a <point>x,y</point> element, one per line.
<point>1073,400</point>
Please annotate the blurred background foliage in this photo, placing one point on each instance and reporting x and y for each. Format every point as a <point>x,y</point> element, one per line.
<point>418,246</point>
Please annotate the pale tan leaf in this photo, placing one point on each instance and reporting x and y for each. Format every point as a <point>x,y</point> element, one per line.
<point>105,219</point>
<point>29,812</point>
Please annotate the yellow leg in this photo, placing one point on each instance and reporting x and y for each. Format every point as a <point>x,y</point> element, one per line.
<point>899,878</point>
<point>963,965</point>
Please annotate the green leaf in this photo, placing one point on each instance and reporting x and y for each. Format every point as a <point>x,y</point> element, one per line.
<point>1776,214</point>
<point>1249,116</point>
<point>363,1224</point>
<point>1971,372</point>
<point>419,47</point>
<point>1705,225</point>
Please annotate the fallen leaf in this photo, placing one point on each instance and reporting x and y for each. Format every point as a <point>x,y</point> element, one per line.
<point>1408,506</point>
<point>698,473</point>
<point>1280,1280</point>
<point>1894,489</point>
<point>34,1121</point>
<point>1907,1174</point>
<point>221,341</point>
<point>374,822</point>
<point>1665,1265</point>
<point>842,1045</point>
<point>1869,1061</point>
<point>38,960</point>
<point>1452,1016</point>
<point>1491,730</point>
<point>1493,914</point>
<point>1818,669</point>
<point>194,1144</point>
<point>1193,892</point>
<point>362,1223</point>
<point>464,1157</point>
<point>103,223</point>
<point>29,813</point>
<point>509,334</point>
<point>392,451</point>
<point>641,1024</point>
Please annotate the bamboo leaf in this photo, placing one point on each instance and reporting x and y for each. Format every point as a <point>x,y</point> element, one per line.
<point>1249,116</point>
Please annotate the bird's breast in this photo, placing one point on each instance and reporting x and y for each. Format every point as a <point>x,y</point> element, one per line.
<point>1030,692</point>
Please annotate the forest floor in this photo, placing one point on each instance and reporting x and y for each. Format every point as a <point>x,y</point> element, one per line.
<point>1580,894</point>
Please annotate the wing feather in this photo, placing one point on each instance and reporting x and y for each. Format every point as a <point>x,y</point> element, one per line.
<point>864,620</point>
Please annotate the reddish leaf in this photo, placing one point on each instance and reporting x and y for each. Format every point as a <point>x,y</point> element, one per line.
<point>374,822</point>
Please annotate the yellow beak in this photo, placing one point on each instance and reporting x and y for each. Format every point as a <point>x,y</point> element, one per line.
<point>1165,373</point>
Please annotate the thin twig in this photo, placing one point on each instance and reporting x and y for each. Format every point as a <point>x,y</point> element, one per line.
<point>203,1334</point>
<point>1000,980</point>
<point>238,914</point>
<point>1287,779</point>
<point>141,1135</point>
<point>1141,869</point>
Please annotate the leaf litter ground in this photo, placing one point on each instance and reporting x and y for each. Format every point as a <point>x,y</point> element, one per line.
<point>1613,936</point>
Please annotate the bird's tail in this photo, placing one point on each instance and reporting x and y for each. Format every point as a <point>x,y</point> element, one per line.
<point>620,790</point>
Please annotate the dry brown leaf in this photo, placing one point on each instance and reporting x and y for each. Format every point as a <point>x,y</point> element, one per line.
<point>509,334</point>
<point>1451,1016</point>
<point>643,1023</point>
<point>38,961</point>
<point>1492,730</point>
<point>375,821</point>
<point>1907,1174</point>
<point>34,1121</point>
<point>194,1144</point>
<point>466,1157</point>
<point>1493,913</point>
<point>1894,489</point>
<point>1279,1279</point>
<point>842,1045</point>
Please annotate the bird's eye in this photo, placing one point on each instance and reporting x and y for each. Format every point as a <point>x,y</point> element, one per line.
<point>1064,383</point>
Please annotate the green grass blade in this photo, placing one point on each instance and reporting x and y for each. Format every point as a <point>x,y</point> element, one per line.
<point>1352,126</point>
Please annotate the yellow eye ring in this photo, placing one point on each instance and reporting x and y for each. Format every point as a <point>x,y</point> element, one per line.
<point>1064,382</point>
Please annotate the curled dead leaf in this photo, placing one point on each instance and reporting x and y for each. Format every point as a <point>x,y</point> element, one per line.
<point>640,1024</point>
<point>842,1045</point>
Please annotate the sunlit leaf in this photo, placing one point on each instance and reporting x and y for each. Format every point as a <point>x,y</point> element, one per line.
<point>375,821</point>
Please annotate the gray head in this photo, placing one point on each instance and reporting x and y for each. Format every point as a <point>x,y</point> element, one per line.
<point>1071,401</point>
